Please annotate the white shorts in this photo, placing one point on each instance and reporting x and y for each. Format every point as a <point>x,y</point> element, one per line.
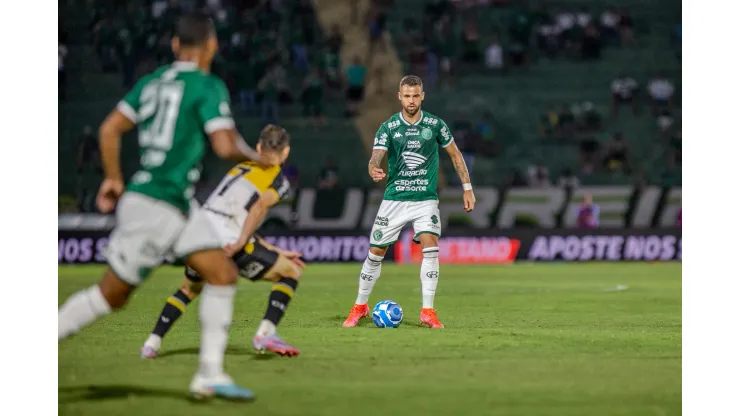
<point>147,230</point>
<point>394,215</point>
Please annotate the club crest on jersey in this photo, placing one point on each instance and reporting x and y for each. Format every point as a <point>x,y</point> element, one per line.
<point>426,134</point>
<point>413,160</point>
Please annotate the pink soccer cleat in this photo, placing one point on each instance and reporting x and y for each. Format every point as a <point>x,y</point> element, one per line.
<point>274,344</point>
<point>358,312</point>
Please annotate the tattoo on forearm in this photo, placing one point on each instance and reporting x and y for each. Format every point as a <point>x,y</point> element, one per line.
<point>375,159</point>
<point>462,170</point>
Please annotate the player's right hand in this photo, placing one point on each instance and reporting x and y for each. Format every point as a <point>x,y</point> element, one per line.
<point>377,174</point>
<point>108,194</point>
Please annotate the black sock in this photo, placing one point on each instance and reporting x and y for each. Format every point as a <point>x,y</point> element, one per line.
<point>282,292</point>
<point>172,310</point>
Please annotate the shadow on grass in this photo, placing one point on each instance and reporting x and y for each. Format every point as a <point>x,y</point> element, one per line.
<point>68,395</point>
<point>229,351</point>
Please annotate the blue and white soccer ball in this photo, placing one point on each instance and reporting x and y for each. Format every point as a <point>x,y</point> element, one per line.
<point>387,314</point>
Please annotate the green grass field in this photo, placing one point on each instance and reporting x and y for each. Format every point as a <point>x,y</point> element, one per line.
<point>527,339</point>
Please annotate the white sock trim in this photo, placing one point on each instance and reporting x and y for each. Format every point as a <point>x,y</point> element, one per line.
<point>373,257</point>
<point>97,300</point>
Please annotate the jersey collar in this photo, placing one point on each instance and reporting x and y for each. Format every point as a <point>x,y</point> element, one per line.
<point>185,66</point>
<point>421,116</point>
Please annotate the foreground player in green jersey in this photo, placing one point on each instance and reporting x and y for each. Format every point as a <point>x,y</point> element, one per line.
<point>177,108</point>
<point>411,138</point>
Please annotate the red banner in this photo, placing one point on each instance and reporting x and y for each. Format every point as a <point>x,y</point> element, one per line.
<point>461,250</point>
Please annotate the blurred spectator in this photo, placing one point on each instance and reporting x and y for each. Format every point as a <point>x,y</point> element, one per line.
<point>591,43</point>
<point>617,154</point>
<point>566,24</point>
<point>495,54</point>
<point>624,91</point>
<point>675,149</point>
<point>566,126</point>
<point>589,149</point>
<point>329,175</point>
<point>548,37</point>
<point>486,132</point>
<point>539,175</point>
<point>665,122</point>
<point>126,56</point>
<point>291,173</point>
<point>104,40</point>
<point>88,162</point>
<point>677,40</point>
<point>515,178</point>
<point>626,27</point>
<point>588,213</point>
<point>269,86</point>
<point>434,10</point>
<point>354,11</point>
<point>62,48</point>
<point>568,180</point>
<point>549,123</point>
<point>610,25</point>
<point>246,81</point>
<point>299,48</point>
<point>445,48</point>
<point>377,19</point>
<point>583,17</point>
<point>462,130</point>
<point>679,218</point>
<point>661,92</point>
<point>417,53</point>
<point>587,117</point>
<point>312,96</point>
<point>470,38</point>
<point>330,69</point>
<point>356,74</point>
<point>335,39</point>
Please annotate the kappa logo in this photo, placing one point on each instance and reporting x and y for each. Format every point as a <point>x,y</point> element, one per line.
<point>397,135</point>
<point>413,160</point>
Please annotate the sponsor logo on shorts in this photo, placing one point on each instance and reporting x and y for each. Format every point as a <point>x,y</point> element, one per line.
<point>377,235</point>
<point>435,219</point>
<point>381,221</point>
<point>433,274</point>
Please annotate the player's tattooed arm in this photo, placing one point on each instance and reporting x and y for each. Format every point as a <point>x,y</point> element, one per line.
<point>458,162</point>
<point>373,167</point>
<point>462,172</point>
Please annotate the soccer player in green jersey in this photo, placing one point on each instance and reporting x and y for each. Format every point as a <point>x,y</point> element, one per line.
<point>177,109</point>
<point>411,138</point>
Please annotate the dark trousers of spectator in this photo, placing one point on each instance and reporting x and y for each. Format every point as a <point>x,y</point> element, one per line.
<point>62,84</point>
<point>248,100</point>
<point>129,71</point>
<point>269,111</point>
<point>300,57</point>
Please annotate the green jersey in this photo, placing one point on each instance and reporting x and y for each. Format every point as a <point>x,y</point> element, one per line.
<point>175,108</point>
<point>413,155</point>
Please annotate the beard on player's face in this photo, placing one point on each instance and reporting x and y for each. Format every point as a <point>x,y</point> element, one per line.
<point>411,111</point>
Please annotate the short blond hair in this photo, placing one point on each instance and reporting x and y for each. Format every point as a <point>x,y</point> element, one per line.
<point>274,138</point>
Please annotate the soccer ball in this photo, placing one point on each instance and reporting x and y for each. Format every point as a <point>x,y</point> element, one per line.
<point>387,314</point>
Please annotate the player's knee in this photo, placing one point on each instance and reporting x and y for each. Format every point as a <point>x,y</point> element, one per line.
<point>429,241</point>
<point>190,288</point>
<point>378,252</point>
<point>115,291</point>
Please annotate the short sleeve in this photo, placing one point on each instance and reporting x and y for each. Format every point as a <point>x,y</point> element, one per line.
<point>444,138</point>
<point>280,186</point>
<point>214,108</point>
<point>381,138</point>
<point>129,105</point>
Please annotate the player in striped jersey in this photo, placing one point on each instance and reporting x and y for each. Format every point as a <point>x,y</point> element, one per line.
<point>235,209</point>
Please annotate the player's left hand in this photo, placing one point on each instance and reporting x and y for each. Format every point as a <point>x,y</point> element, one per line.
<point>295,257</point>
<point>469,200</point>
<point>231,249</point>
<point>108,194</point>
